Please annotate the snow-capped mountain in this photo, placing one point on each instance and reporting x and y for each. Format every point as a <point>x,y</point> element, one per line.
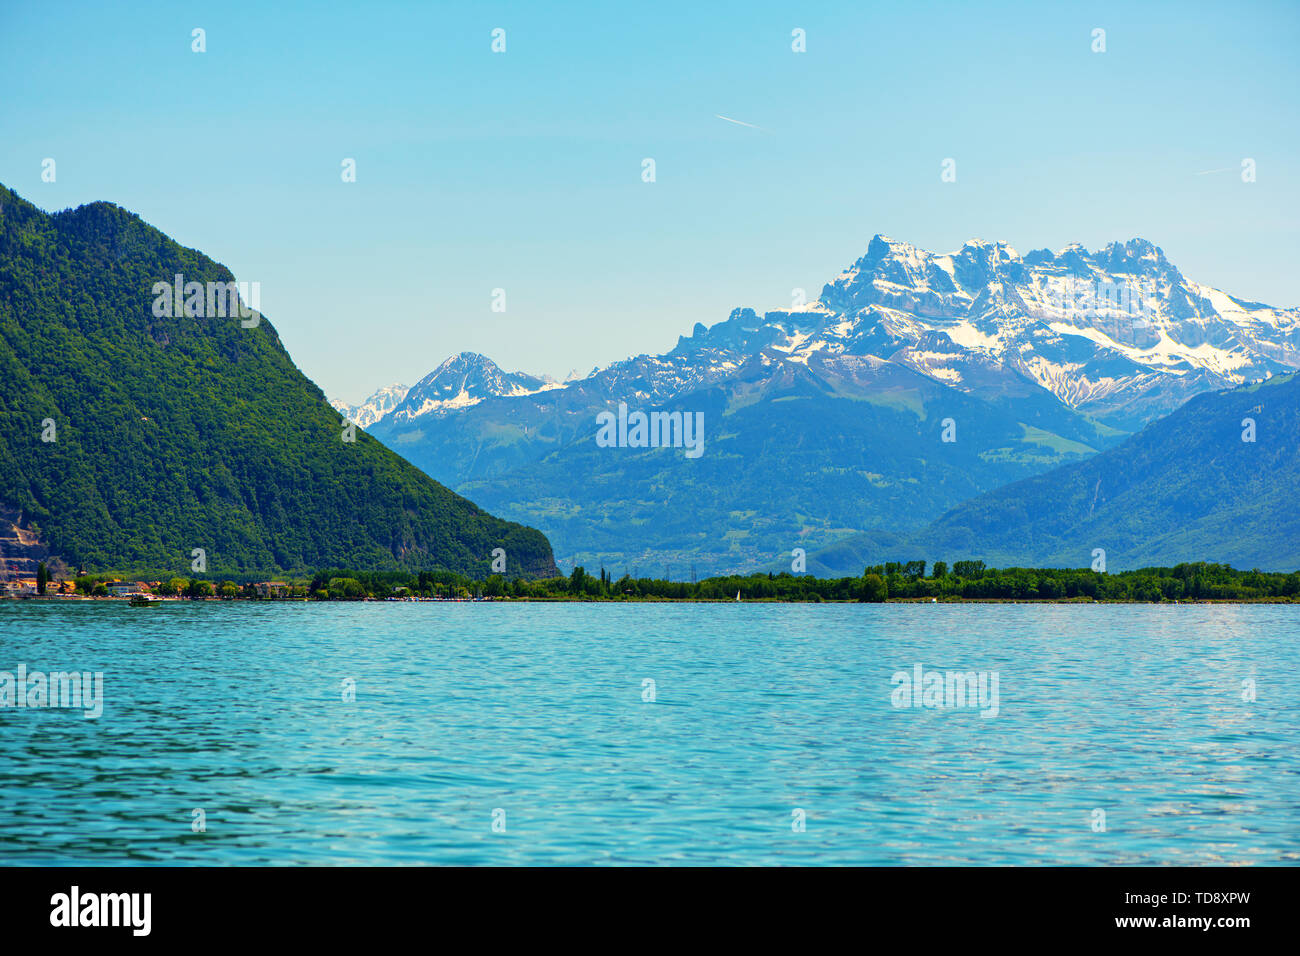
<point>373,408</point>
<point>462,381</point>
<point>1119,334</point>
<point>825,419</point>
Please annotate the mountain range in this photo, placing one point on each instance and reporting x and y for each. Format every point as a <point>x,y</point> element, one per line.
<point>1217,477</point>
<point>982,404</point>
<point>914,382</point>
<point>379,404</point>
<point>139,436</point>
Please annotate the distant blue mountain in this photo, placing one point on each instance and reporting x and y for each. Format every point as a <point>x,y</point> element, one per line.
<point>1187,488</point>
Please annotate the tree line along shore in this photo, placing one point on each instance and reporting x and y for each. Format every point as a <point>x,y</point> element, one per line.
<point>892,581</point>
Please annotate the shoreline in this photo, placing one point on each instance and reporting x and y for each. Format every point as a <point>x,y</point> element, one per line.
<point>82,599</point>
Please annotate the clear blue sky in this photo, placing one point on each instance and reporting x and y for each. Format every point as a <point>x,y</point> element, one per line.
<point>522,170</point>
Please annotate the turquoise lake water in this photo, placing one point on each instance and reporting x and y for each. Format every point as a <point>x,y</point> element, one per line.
<point>759,711</point>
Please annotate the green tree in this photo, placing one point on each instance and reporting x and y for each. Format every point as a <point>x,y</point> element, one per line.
<point>198,588</point>
<point>349,588</point>
<point>873,589</point>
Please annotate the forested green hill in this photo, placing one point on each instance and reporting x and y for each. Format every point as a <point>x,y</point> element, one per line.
<point>172,434</point>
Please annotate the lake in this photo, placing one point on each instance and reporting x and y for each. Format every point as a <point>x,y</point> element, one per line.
<point>421,733</point>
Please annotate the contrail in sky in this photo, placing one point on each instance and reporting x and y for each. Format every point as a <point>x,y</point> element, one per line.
<point>740,122</point>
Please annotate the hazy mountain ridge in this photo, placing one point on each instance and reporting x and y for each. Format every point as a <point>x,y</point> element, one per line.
<point>794,455</point>
<point>1188,487</point>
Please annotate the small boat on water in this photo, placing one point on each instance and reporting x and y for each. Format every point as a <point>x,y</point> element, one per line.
<point>144,600</point>
<point>737,595</point>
